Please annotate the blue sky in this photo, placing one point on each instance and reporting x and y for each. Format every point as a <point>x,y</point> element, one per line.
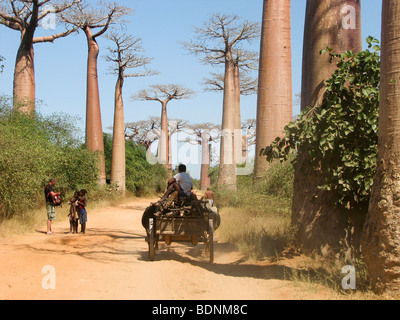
<point>61,67</point>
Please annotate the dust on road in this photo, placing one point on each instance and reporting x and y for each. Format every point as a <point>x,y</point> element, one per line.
<point>111,262</point>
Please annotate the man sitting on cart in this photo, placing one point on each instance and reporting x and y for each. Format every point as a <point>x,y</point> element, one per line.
<point>181,184</point>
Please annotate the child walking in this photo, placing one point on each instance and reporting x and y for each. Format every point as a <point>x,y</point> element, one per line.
<point>82,203</point>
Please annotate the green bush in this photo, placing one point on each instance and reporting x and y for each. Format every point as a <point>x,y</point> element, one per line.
<point>142,178</point>
<point>340,136</point>
<point>33,149</point>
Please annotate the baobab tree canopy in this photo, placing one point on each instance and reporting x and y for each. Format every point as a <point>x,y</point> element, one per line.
<point>215,43</point>
<point>164,93</point>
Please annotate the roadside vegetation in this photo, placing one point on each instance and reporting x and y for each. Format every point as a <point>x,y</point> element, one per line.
<point>257,217</point>
<point>36,148</point>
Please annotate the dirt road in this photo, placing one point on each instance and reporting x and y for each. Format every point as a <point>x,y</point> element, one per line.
<point>110,262</point>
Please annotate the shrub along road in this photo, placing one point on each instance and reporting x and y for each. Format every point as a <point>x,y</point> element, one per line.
<point>110,262</point>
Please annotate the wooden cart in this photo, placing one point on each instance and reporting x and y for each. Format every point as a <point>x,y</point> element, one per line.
<point>190,229</point>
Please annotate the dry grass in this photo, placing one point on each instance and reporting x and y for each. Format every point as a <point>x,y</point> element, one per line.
<point>36,219</point>
<point>255,236</point>
<point>311,271</point>
<point>267,235</point>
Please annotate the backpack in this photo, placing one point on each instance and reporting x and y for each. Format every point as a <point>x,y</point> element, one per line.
<point>57,200</point>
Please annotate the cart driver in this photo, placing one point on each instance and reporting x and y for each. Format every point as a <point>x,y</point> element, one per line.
<point>180,183</point>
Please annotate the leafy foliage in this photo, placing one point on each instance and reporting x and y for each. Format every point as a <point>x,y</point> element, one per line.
<point>141,176</point>
<point>339,137</point>
<point>33,149</point>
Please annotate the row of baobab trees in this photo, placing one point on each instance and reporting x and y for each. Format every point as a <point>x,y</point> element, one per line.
<point>202,135</point>
<point>337,24</point>
<point>333,23</point>
<point>125,59</point>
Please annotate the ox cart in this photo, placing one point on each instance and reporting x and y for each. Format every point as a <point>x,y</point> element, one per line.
<point>184,219</point>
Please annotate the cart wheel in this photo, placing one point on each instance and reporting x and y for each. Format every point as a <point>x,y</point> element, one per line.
<point>152,242</point>
<point>211,239</point>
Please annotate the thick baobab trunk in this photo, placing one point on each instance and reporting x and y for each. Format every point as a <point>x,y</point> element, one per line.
<point>323,227</point>
<point>227,165</point>
<point>333,23</point>
<point>24,72</point>
<point>205,161</point>
<point>381,236</point>
<point>94,130</point>
<point>24,79</point>
<point>118,149</point>
<point>274,104</point>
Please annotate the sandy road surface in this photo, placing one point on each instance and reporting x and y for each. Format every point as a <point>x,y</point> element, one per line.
<point>110,262</point>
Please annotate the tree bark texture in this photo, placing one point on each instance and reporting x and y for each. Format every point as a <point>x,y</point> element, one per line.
<point>274,104</point>
<point>24,72</point>
<point>381,237</point>
<point>24,79</point>
<point>333,23</point>
<point>323,227</point>
<point>94,129</point>
<point>227,166</point>
<point>118,150</point>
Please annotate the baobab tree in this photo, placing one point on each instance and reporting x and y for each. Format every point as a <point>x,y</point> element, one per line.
<point>245,85</point>
<point>244,62</point>
<point>143,133</point>
<point>123,56</point>
<point>329,23</point>
<point>89,18</point>
<point>335,24</point>
<point>138,132</point>
<point>216,40</point>
<point>203,134</point>
<point>274,103</point>
<point>164,93</point>
<point>25,17</point>
<point>381,241</point>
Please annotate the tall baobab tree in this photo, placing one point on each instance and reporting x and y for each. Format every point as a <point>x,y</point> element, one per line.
<point>204,133</point>
<point>123,57</point>
<point>25,17</point>
<point>88,19</point>
<point>216,41</point>
<point>164,93</point>
<point>274,103</point>
<point>329,23</point>
<point>335,24</point>
<point>381,239</point>
<point>245,85</point>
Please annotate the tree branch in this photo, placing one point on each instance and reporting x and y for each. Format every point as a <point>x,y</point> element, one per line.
<point>53,37</point>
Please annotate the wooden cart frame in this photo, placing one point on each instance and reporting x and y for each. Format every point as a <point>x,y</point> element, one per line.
<point>181,229</point>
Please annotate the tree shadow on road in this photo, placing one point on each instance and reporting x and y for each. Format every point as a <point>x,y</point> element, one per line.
<point>237,268</point>
<point>100,245</point>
